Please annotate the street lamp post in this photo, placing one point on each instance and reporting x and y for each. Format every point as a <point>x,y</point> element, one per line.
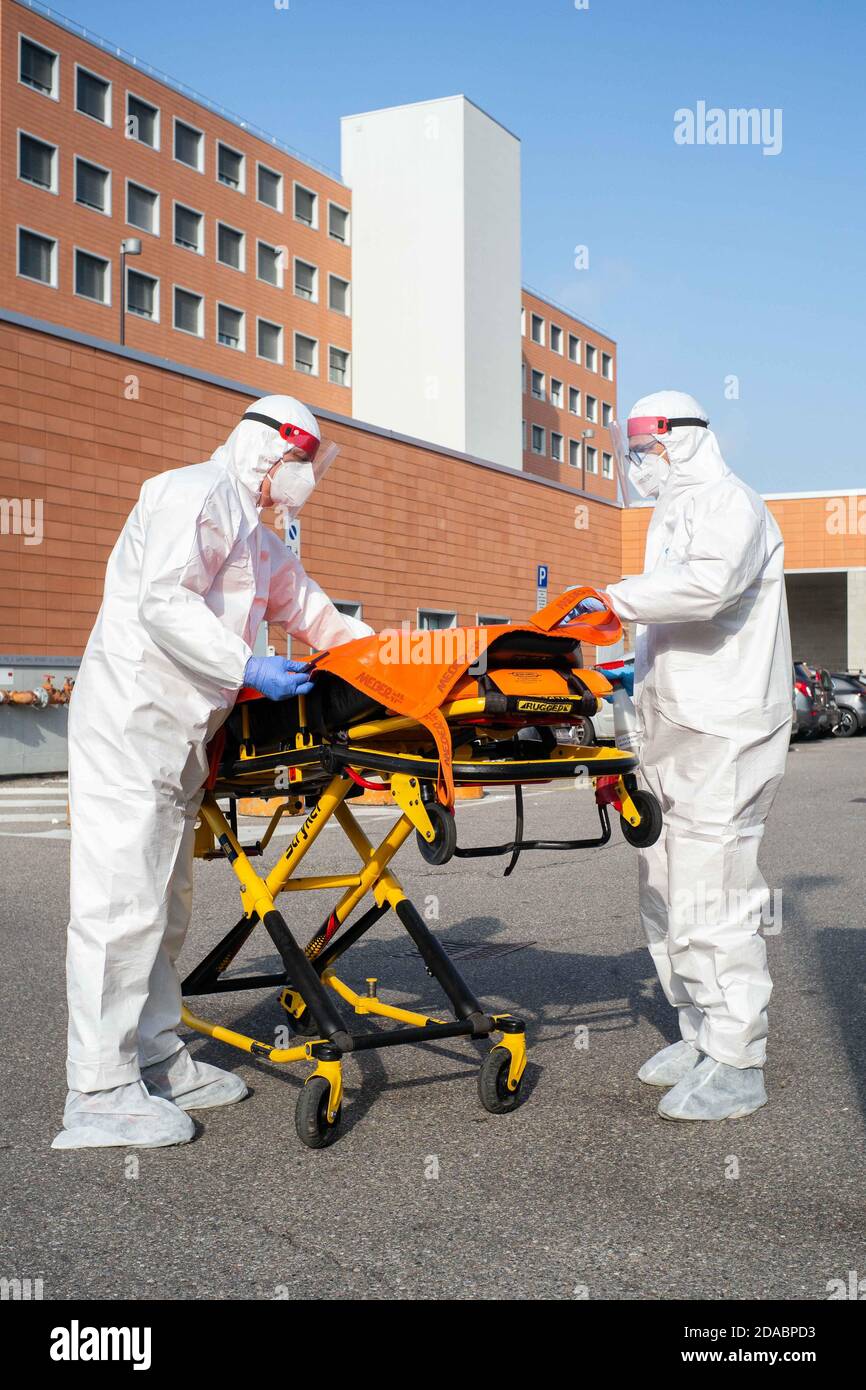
<point>584,434</point>
<point>130,246</point>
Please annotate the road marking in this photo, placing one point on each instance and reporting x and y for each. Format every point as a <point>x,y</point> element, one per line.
<point>25,820</point>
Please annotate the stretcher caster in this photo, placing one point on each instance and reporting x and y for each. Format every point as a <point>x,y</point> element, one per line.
<point>319,1108</point>
<point>441,848</point>
<point>650,812</point>
<point>493,1089</point>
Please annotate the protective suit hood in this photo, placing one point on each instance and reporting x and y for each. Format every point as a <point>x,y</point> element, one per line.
<point>252,449</point>
<point>694,453</point>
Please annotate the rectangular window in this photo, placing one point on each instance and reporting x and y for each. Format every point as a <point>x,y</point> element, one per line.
<point>142,121</point>
<point>142,208</point>
<point>306,280</point>
<point>187,311</point>
<point>556,446</point>
<point>188,145</point>
<point>606,414</point>
<point>555,392</point>
<point>306,209</point>
<point>574,400</point>
<point>230,246</point>
<point>591,459</point>
<point>37,257</point>
<point>230,167</point>
<point>555,338</point>
<point>537,437</point>
<point>188,228</point>
<point>536,329</point>
<point>592,409</point>
<point>338,366</point>
<point>92,96</point>
<point>573,348</point>
<point>91,277</point>
<point>432,620</point>
<point>523,435</point>
<point>338,223</point>
<point>230,327</point>
<point>591,358</point>
<point>37,162</point>
<point>269,264</point>
<point>523,377</point>
<point>491,620</point>
<point>574,452</point>
<point>142,294</point>
<point>538,385</point>
<point>607,366</point>
<point>92,188</point>
<point>38,67</point>
<point>607,465</point>
<point>306,355</point>
<point>269,187</point>
<point>270,341</point>
<point>338,294</point>
<point>348,608</point>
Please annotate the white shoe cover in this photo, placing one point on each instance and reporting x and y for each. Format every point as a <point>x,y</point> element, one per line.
<point>715,1091</point>
<point>192,1085</point>
<point>670,1065</point>
<point>123,1117</point>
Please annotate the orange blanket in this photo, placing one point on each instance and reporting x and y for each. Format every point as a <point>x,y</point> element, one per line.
<point>419,687</point>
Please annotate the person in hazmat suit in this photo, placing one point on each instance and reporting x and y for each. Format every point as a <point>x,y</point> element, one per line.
<point>193,575</point>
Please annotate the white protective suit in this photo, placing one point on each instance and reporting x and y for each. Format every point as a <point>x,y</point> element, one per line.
<point>191,578</point>
<point>713,694</point>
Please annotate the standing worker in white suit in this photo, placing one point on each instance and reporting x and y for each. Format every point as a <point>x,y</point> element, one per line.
<point>193,575</point>
<point>712,676</point>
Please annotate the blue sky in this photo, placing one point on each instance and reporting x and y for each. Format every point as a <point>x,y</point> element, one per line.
<point>705,262</point>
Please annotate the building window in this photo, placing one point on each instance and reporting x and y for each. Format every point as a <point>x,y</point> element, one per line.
<point>306,281</point>
<point>433,620</point>
<point>188,145</point>
<point>573,348</point>
<point>607,465</point>
<point>574,400</point>
<point>606,414</point>
<point>491,620</point>
<point>92,186</point>
<point>230,167</point>
<point>270,341</point>
<point>536,329</point>
<point>592,409</point>
<point>142,294</point>
<point>338,294</point>
<point>574,452</point>
<point>348,608</point>
<point>37,162</point>
<point>230,327</point>
<point>230,246</point>
<point>591,358</point>
<point>523,435</point>
<point>269,187</point>
<point>338,366</point>
<point>537,438</point>
<point>556,392</point>
<point>538,385</point>
<point>142,121</point>
<point>556,338</point>
<point>92,279</point>
<point>38,68</point>
<point>306,206</point>
<point>338,223</point>
<point>92,95</point>
<point>37,257</point>
<point>306,355</point>
<point>142,208</point>
<point>523,378</point>
<point>556,446</point>
<point>188,311</point>
<point>188,228</point>
<point>269,264</point>
<point>591,459</point>
<point>607,366</point>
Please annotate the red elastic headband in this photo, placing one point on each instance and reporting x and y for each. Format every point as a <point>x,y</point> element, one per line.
<point>292,434</point>
<point>659,424</point>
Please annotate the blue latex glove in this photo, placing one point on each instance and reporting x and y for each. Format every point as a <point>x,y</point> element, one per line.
<point>622,675</point>
<point>277,677</point>
<point>586,605</point>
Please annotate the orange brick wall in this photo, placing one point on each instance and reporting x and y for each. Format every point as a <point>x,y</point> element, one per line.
<point>394,525</point>
<point>58,215</point>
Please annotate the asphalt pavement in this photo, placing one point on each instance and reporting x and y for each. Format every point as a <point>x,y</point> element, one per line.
<point>582,1192</point>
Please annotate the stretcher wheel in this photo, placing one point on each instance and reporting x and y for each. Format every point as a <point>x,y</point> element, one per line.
<point>493,1083</point>
<point>650,812</point>
<point>311,1114</point>
<point>440,849</point>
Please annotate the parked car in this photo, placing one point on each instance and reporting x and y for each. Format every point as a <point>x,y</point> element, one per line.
<point>850,694</point>
<point>809,706</point>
